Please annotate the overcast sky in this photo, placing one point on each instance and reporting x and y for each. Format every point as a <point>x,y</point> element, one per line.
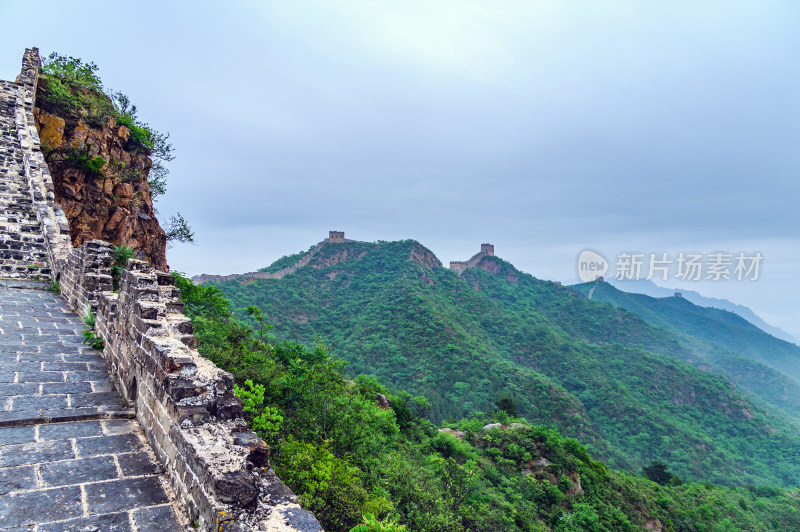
<point>542,127</point>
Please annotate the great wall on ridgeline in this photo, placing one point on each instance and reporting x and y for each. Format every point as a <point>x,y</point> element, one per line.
<point>334,237</point>
<point>487,250</point>
<point>146,435</point>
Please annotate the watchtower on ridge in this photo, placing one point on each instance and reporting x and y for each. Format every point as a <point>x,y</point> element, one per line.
<point>458,266</point>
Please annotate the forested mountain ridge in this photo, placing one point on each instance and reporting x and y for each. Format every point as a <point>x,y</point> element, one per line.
<point>596,372</point>
<point>356,452</point>
<point>719,340</point>
<point>720,327</point>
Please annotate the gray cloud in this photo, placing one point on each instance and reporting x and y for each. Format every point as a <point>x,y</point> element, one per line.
<point>544,127</point>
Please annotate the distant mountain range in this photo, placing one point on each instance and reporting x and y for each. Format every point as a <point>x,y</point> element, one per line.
<point>647,287</point>
<point>634,378</point>
<point>720,341</point>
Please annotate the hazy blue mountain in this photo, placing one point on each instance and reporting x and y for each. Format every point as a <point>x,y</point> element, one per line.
<point>718,340</point>
<point>647,287</point>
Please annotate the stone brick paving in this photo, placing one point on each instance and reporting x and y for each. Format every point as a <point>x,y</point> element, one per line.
<point>71,459</point>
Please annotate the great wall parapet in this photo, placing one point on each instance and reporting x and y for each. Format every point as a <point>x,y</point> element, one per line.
<point>458,266</point>
<point>217,467</point>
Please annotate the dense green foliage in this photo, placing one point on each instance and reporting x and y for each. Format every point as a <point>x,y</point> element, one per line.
<point>598,373</point>
<point>363,468</point>
<point>74,88</point>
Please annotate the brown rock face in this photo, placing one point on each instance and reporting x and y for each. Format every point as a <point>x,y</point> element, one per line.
<point>111,202</point>
<point>488,264</point>
<point>424,258</point>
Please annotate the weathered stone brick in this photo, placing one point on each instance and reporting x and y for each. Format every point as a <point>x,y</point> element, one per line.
<point>188,411</point>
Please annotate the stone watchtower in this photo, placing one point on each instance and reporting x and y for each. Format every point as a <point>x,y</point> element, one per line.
<point>336,236</point>
<point>488,249</point>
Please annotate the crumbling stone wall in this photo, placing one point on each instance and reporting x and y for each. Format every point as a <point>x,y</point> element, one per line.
<point>280,274</point>
<point>218,468</point>
<point>458,266</point>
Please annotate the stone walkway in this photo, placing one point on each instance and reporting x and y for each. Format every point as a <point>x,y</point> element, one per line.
<point>71,456</point>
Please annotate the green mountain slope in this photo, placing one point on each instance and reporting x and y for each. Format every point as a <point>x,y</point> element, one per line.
<point>596,372</point>
<point>718,340</point>
<point>347,453</point>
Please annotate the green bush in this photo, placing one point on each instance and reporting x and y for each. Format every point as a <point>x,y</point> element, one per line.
<point>54,287</point>
<point>58,95</point>
<point>80,159</point>
<point>74,88</point>
<point>372,524</point>
<point>325,484</point>
<point>265,420</point>
<point>120,256</point>
<point>72,71</point>
<point>89,338</point>
<point>583,518</point>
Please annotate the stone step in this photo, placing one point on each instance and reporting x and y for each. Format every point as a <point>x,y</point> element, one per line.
<point>23,253</point>
<point>23,283</point>
<point>20,218</point>
<point>27,274</point>
<point>21,241</point>
<point>34,256</point>
<point>8,233</point>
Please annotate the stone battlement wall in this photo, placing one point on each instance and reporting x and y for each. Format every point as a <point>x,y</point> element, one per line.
<point>459,266</point>
<point>280,274</point>
<point>217,467</point>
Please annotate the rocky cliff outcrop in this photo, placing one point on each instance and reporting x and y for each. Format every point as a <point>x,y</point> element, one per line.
<point>495,266</point>
<point>99,183</point>
<point>424,257</point>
